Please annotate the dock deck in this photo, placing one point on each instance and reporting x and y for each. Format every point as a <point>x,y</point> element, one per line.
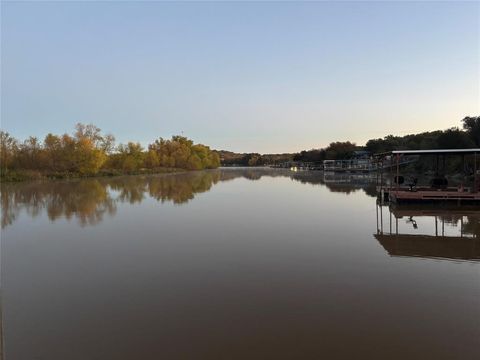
<point>431,195</point>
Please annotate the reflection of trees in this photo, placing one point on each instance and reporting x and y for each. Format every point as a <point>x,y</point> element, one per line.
<point>10,209</point>
<point>251,173</point>
<point>469,222</point>
<point>343,183</point>
<point>87,200</point>
<point>465,217</point>
<point>182,187</point>
<point>472,226</point>
<point>90,199</point>
<point>130,189</point>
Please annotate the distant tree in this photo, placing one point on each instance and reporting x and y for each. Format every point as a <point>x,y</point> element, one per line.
<point>340,150</point>
<point>89,149</point>
<point>87,158</point>
<point>454,139</point>
<point>29,154</point>
<point>194,162</point>
<point>131,156</point>
<point>472,126</point>
<point>254,160</point>
<point>8,151</point>
<point>425,140</point>
<point>182,153</point>
<point>310,155</point>
<point>151,159</point>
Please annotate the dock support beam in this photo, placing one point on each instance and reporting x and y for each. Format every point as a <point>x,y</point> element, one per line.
<point>398,171</point>
<point>475,172</point>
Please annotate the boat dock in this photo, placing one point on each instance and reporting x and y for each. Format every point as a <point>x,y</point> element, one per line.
<point>398,188</point>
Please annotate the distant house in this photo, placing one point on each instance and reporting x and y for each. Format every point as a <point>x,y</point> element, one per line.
<point>361,154</point>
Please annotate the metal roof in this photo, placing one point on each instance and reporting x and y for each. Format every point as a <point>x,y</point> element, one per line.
<point>437,151</point>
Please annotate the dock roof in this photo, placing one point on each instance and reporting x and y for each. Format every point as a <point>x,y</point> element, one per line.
<point>437,151</point>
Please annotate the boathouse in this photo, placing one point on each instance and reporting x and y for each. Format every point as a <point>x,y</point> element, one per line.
<point>401,188</point>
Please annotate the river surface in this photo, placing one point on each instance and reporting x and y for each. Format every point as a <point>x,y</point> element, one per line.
<point>234,264</point>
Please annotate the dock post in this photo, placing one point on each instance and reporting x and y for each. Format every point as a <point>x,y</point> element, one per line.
<point>475,172</point>
<point>398,171</point>
<point>381,219</point>
<point>390,221</point>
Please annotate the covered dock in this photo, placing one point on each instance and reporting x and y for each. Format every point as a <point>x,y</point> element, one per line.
<point>399,191</point>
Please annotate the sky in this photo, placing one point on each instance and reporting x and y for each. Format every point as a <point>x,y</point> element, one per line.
<point>266,77</point>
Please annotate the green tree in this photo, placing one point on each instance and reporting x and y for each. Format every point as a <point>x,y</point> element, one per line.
<point>340,150</point>
<point>472,126</point>
<point>454,139</point>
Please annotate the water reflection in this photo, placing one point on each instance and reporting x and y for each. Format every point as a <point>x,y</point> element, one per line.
<point>89,200</point>
<point>281,268</point>
<point>429,232</point>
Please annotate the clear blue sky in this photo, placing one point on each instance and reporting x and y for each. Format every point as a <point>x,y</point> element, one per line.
<point>257,76</point>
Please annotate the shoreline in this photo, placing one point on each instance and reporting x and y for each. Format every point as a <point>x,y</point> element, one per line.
<point>28,175</point>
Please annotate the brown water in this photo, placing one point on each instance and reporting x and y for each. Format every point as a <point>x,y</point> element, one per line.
<point>234,264</point>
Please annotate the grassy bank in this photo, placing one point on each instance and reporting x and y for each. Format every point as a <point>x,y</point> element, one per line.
<point>26,175</point>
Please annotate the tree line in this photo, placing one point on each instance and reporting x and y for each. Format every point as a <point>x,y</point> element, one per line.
<point>468,136</point>
<point>454,138</point>
<point>229,158</point>
<point>89,152</point>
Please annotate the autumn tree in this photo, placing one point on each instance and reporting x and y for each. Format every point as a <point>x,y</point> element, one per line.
<point>131,156</point>
<point>8,150</point>
<point>87,151</point>
<point>181,152</point>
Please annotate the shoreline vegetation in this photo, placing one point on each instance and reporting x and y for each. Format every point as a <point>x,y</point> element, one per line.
<point>89,153</point>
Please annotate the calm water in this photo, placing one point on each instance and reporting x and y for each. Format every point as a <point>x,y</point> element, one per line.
<point>234,264</point>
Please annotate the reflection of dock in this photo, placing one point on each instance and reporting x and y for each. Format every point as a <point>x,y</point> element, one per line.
<point>408,242</point>
<point>446,195</point>
<point>361,179</point>
<point>359,166</point>
<point>426,246</point>
<point>433,211</point>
